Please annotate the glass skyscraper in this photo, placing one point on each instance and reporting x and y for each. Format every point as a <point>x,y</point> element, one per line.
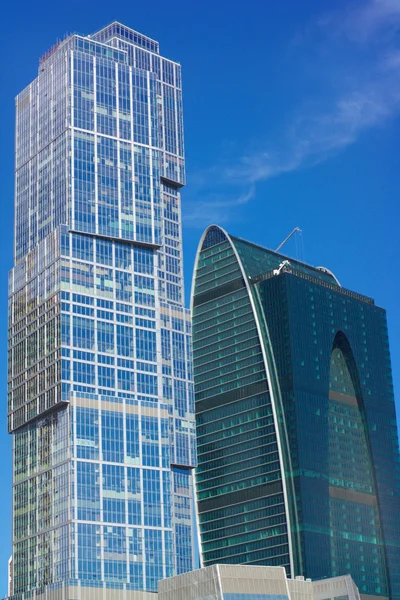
<point>298,461</point>
<point>100,404</point>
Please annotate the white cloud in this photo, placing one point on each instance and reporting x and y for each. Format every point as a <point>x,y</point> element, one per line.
<point>214,208</point>
<point>367,98</point>
<point>362,22</point>
<point>314,138</point>
<point>392,61</point>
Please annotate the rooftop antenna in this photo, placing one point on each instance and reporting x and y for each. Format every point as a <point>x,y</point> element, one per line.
<point>288,238</point>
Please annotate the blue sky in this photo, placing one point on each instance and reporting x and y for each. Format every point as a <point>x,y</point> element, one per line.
<point>291,119</point>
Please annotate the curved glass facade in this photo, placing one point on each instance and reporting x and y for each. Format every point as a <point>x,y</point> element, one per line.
<point>294,372</point>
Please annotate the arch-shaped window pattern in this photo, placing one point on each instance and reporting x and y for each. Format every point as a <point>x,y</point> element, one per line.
<point>356,543</point>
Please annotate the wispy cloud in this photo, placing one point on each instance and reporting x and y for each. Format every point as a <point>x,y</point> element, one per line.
<point>362,22</point>
<point>367,97</point>
<point>314,138</point>
<point>216,208</point>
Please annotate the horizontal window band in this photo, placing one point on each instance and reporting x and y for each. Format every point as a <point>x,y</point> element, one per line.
<point>344,398</point>
<point>340,493</point>
<point>245,495</point>
<point>232,396</point>
<point>217,292</point>
<point>172,182</point>
<point>118,240</point>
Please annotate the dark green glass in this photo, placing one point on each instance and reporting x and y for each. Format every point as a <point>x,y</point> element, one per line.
<point>298,461</point>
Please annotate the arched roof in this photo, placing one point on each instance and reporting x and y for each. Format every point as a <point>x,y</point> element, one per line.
<point>257,260</point>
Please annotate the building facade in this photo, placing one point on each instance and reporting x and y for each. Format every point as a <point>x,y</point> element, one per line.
<point>100,404</point>
<point>233,582</point>
<point>298,461</point>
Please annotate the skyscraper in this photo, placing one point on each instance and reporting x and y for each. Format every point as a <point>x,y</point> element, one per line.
<point>298,461</point>
<point>100,403</point>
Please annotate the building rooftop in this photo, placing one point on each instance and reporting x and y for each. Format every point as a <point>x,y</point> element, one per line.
<point>123,32</point>
<point>261,263</point>
<point>247,582</point>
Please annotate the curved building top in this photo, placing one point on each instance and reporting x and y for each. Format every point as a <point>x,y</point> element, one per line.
<point>261,263</point>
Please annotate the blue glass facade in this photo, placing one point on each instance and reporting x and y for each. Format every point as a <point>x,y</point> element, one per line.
<point>100,402</point>
<point>298,460</point>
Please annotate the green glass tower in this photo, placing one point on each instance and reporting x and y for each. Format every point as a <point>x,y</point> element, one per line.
<point>298,461</point>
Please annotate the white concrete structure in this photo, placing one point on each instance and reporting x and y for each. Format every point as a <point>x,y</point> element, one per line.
<point>242,582</point>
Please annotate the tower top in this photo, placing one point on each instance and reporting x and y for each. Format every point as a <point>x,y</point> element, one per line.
<point>119,30</point>
<point>106,35</point>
